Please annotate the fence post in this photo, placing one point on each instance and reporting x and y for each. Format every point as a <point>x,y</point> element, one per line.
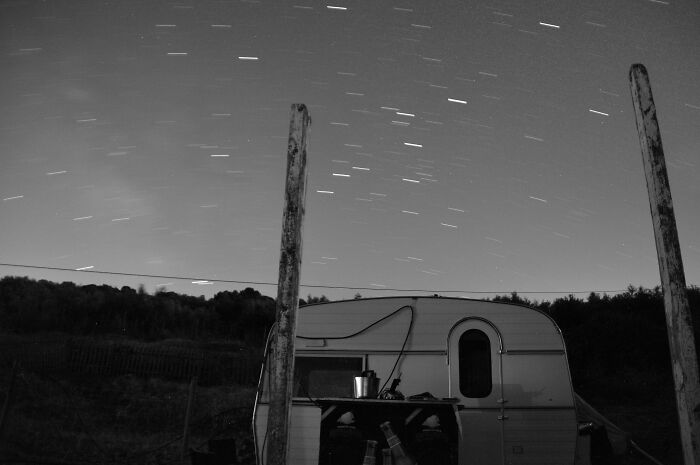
<point>282,361</point>
<point>8,397</point>
<point>188,416</point>
<point>679,323</point>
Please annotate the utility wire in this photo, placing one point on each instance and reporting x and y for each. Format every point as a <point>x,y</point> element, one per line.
<point>317,286</point>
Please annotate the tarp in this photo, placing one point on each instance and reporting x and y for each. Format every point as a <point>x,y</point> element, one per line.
<point>619,439</point>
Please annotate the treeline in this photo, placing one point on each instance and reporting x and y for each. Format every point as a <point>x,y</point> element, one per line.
<point>28,306</point>
<point>622,335</point>
<point>617,345</point>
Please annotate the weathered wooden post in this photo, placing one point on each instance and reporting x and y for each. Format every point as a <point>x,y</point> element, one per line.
<point>282,362</point>
<point>188,417</point>
<point>678,318</point>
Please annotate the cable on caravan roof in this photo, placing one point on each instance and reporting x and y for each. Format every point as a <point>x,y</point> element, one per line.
<point>357,333</point>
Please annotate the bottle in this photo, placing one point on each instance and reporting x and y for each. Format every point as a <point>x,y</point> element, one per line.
<point>394,442</point>
<point>370,459</point>
<point>386,457</point>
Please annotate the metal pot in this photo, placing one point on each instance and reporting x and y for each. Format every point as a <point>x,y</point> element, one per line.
<point>366,386</point>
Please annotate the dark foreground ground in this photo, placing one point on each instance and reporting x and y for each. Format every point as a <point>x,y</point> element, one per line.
<point>63,418</point>
<point>140,421</point>
<point>120,420</point>
<point>646,412</point>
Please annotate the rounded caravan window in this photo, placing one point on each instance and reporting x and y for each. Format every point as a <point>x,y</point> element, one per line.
<point>475,364</point>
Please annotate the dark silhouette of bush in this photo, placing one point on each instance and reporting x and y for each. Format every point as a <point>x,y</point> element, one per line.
<point>617,344</point>
<point>604,334</point>
<point>29,306</point>
<point>315,300</point>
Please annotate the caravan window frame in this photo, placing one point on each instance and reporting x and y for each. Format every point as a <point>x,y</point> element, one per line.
<point>362,358</point>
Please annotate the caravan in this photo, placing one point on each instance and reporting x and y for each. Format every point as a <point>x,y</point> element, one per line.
<point>472,382</point>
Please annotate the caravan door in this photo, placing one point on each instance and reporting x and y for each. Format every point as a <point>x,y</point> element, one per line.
<point>474,359</point>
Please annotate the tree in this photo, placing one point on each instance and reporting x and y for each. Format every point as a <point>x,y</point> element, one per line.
<point>316,300</point>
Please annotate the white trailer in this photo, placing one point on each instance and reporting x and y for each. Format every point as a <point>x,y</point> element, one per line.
<point>497,374</point>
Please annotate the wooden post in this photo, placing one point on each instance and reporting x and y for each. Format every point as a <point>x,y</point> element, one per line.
<point>8,398</point>
<point>678,318</point>
<point>282,362</point>
<point>188,417</point>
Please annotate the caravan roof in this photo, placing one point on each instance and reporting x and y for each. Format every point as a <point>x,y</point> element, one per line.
<point>521,328</point>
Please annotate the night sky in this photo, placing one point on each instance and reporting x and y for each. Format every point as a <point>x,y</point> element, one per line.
<point>475,146</point>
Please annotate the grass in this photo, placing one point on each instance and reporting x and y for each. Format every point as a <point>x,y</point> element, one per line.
<point>120,420</point>
<point>135,420</point>
<point>643,406</point>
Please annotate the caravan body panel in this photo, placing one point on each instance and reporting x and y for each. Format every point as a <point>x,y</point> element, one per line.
<point>527,415</point>
<point>304,432</point>
<point>540,437</point>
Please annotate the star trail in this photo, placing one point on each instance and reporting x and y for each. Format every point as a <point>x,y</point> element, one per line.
<point>495,140</point>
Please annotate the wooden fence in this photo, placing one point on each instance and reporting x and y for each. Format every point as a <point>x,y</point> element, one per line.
<point>86,356</point>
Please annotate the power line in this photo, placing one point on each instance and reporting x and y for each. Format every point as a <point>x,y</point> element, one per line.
<point>316,286</point>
